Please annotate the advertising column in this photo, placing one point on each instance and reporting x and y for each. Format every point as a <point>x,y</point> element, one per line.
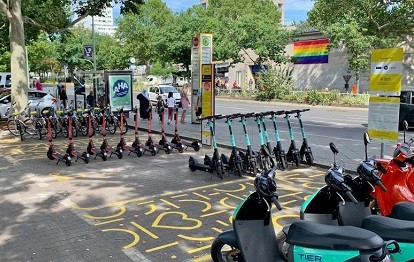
<point>119,86</point>
<point>195,76</point>
<point>207,85</point>
<point>385,87</point>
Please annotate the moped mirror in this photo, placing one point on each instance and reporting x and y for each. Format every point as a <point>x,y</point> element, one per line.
<point>333,148</point>
<point>381,167</point>
<point>367,139</point>
<point>405,125</point>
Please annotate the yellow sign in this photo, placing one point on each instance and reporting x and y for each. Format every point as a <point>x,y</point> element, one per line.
<point>387,55</point>
<point>386,71</point>
<point>385,82</point>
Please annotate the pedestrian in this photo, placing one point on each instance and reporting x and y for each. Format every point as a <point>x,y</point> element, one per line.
<point>90,99</point>
<point>160,108</point>
<point>59,87</point>
<point>185,102</point>
<point>170,104</point>
<point>63,97</point>
<point>39,85</point>
<point>144,104</point>
<point>197,107</point>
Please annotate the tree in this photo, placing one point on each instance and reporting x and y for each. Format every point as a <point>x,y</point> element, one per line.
<point>140,31</point>
<point>54,18</point>
<point>238,26</point>
<point>363,25</point>
<point>42,55</point>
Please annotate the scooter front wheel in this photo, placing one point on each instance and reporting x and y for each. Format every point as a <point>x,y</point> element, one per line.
<point>283,162</point>
<point>296,159</point>
<point>309,158</point>
<point>221,252</point>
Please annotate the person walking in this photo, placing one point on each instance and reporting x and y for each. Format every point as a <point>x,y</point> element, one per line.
<point>39,85</point>
<point>185,102</point>
<point>170,104</point>
<point>160,107</point>
<point>144,104</point>
<point>90,99</point>
<point>63,96</point>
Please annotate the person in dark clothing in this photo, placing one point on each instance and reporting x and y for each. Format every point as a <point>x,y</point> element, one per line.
<point>90,99</point>
<point>63,96</point>
<point>144,104</point>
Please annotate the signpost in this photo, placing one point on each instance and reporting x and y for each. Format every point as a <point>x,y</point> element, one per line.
<point>385,85</point>
<point>195,76</point>
<point>119,89</point>
<point>88,51</point>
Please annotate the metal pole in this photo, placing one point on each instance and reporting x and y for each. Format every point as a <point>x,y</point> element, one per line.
<point>95,85</point>
<point>382,149</point>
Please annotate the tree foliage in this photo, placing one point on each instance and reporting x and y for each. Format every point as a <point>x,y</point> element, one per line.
<point>363,25</point>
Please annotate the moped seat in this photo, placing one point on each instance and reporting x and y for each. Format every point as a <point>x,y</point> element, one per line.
<point>390,228</point>
<point>403,210</point>
<point>314,235</point>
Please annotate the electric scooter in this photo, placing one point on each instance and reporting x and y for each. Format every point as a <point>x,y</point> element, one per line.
<point>136,146</point>
<point>266,160</point>
<point>91,131</point>
<point>211,164</point>
<point>180,144</point>
<point>293,154</point>
<point>163,144</point>
<point>249,157</point>
<point>305,150</point>
<point>278,151</point>
<point>150,145</point>
<point>105,146</point>
<point>71,147</point>
<point>253,237</point>
<point>51,152</point>
<point>234,162</point>
<point>398,177</point>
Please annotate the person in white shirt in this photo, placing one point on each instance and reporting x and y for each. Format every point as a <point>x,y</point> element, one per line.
<point>170,105</point>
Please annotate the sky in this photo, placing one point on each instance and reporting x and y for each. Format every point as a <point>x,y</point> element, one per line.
<point>295,10</point>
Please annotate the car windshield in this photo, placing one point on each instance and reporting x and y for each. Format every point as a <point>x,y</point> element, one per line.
<point>166,89</point>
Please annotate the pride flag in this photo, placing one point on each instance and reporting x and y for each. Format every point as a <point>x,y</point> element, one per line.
<point>311,51</point>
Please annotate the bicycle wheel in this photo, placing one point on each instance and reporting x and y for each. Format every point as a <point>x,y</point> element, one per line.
<point>12,127</point>
<point>111,126</point>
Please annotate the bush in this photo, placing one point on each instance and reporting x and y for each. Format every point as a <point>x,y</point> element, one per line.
<point>274,83</point>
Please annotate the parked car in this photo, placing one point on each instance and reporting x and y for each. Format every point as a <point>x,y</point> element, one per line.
<point>164,90</point>
<point>5,79</point>
<point>406,108</point>
<point>37,99</point>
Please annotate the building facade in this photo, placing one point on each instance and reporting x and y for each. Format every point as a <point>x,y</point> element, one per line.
<point>102,24</point>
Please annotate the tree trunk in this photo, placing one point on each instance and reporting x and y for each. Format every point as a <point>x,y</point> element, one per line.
<point>19,70</point>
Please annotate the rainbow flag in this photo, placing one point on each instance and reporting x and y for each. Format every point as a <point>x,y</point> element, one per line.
<point>311,51</point>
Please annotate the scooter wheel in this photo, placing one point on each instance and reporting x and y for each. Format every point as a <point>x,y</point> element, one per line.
<point>85,158</point>
<point>220,251</point>
<point>296,160</point>
<point>139,151</point>
<point>67,160</point>
<point>196,147</point>
<point>50,153</point>
<point>104,157</point>
<point>219,170</point>
<point>282,245</point>
<point>153,151</point>
<point>119,154</point>
<point>309,158</point>
<point>238,166</point>
<point>191,164</point>
<point>167,150</point>
<point>283,162</point>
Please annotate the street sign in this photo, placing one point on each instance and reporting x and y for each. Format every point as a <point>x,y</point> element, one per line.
<point>88,51</point>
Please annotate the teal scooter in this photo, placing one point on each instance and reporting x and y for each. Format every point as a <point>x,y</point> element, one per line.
<point>266,160</point>
<point>278,150</point>
<point>211,164</point>
<point>234,162</point>
<point>346,201</point>
<point>305,151</point>
<point>252,237</point>
<point>249,157</point>
<point>292,154</point>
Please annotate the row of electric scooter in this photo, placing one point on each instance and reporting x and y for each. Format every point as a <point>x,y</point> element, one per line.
<point>104,151</point>
<point>364,218</point>
<point>252,161</point>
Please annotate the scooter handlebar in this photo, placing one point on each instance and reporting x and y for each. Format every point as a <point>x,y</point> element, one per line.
<point>276,202</point>
<point>381,185</point>
<point>351,197</point>
<point>248,115</point>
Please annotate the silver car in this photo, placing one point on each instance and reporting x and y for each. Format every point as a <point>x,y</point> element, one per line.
<point>37,100</point>
<point>163,90</point>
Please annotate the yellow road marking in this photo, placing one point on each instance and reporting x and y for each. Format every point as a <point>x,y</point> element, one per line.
<point>237,197</point>
<point>195,250</point>
<point>179,195</point>
<point>200,195</point>
<point>169,203</point>
<point>208,205</point>
<point>152,210</point>
<point>214,213</point>
<point>84,208</point>
<point>144,230</point>
<point>214,194</point>
<point>196,238</point>
<point>161,247</point>
<point>217,230</point>
<point>144,203</point>
<point>184,217</point>
<point>242,187</point>
<point>290,194</point>
<point>223,203</point>
<point>276,218</point>
<point>222,223</point>
<point>203,259</point>
<point>107,222</point>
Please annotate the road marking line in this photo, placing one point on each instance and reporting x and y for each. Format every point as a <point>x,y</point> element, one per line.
<point>226,205</point>
<point>214,213</point>
<point>169,203</point>
<point>144,230</point>
<point>214,194</point>
<point>121,212</point>
<point>161,247</point>
<point>222,223</point>
<point>179,195</point>
<point>196,238</point>
<point>153,208</point>
<point>202,196</point>
<point>237,197</point>
<point>217,229</point>
<point>107,222</point>
<point>144,203</point>
<point>195,250</point>
<point>208,205</point>
<point>291,194</point>
<point>242,187</point>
